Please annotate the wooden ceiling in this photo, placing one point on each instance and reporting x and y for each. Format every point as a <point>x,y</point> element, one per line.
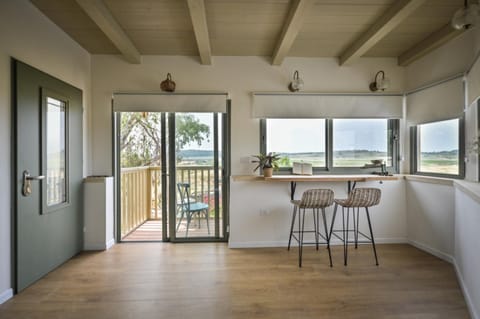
<point>346,29</point>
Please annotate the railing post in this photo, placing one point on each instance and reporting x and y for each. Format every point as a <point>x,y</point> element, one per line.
<point>149,193</point>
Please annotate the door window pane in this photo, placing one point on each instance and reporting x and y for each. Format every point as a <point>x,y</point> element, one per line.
<point>195,175</point>
<point>438,147</point>
<point>56,152</point>
<point>356,142</point>
<point>297,140</point>
<point>141,191</point>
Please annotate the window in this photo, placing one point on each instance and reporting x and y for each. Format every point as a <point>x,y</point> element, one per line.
<point>436,148</point>
<point>56,152</point>
<point>297,140</point>
<point>359,141</point>
<point>336,145</point>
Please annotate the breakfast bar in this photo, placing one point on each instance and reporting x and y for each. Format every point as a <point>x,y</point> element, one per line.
<point>293,179</point>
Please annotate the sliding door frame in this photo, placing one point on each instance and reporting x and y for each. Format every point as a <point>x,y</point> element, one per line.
<point>168,177</point>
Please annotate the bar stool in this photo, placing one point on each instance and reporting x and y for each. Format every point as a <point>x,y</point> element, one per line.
<point>358,198</point>
<point>316,199</point>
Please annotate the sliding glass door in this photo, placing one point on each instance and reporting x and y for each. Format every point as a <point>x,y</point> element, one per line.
<point>196,172</point>
<point>170,175</point>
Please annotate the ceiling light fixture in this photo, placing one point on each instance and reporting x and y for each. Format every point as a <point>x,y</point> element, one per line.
<point>380,84</point>
<point>296,84</point>
<point>466,17</point>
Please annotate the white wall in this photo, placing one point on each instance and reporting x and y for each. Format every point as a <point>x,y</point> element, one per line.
<point>443,218</point>
<point>452,58</point>
<point>237,75</point>
<point>27,35</point>
<point>467,246</point>
<point>430,211</point>
<point>261,212</point>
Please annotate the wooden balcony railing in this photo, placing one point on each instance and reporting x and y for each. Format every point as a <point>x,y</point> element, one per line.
<point>141,192</point>
<point>134,195</point>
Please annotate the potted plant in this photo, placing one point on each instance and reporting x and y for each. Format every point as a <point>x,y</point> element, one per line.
<point>267,162</point>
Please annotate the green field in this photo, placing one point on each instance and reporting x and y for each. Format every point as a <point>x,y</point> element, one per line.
<point>340,158</point>
<point>434,162</point>
<point>440,162</point>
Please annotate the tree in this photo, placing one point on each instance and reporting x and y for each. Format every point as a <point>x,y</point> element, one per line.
<point>140,139</point>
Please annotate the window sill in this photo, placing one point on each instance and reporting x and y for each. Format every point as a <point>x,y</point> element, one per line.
<point>315,178</point>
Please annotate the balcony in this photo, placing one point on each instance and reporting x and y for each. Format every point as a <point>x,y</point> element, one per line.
<point>141,201</point>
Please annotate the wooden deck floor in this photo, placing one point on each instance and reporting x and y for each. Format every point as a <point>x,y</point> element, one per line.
<point>161,280</point>
<point>151,230</point>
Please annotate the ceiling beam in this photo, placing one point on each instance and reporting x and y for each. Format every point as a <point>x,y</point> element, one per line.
<point>99,13</point>
<point>386,23</point>
<point>290,29</point>
<point>200,28</point>
<point>427,45</point>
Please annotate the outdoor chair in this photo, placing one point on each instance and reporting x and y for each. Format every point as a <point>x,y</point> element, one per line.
<point>187,208</point>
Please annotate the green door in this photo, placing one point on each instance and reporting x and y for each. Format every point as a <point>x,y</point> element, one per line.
<point>48,211</point>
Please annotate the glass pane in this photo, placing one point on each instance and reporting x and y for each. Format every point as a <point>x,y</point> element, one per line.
<point>356,142</point>
<point>141,200</point>
<point>194,145</point>
<point>297,140</point>
<point>56,152</point>
<point>438,147</point>
<point>220,173</point>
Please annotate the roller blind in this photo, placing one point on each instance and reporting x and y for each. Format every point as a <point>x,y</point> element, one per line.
<point>473,80</point>
<point>439,102</point>
<point>170,102</point>
<point>326,105</point>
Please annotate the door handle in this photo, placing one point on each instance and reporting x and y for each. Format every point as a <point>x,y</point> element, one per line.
<point>27,182</point>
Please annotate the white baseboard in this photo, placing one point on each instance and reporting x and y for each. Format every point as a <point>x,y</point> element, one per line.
<point>110,243</point>
<point>466,294</point>
<point>433,251</point>
<point>269,244</point>
<point>257,244</point>
<point>95,246</point>
<point>7,294</point>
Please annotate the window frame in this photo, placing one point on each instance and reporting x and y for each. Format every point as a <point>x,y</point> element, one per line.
<point>393,128</point>
<point>47,93</point>
<point>414,150</point>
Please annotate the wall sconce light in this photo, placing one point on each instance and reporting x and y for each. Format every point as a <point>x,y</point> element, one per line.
<point>466,17</point>
<point>380,84</point>
<point>296,84</point>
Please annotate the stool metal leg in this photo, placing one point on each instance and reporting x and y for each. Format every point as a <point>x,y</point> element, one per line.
<point>346,239</point>
<point>315,226</point>
<point>300,244</point>
<point>333,221</point>
<point>291,227</point>
<point>326,235</point>
<point>371,236</point>
<point>343,235</point>
<point>356,228</point>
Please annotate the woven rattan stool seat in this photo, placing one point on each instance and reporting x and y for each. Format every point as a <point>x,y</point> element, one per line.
<point>361,197</point>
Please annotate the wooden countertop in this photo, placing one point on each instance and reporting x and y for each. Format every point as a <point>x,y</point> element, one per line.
<point>315,178</point>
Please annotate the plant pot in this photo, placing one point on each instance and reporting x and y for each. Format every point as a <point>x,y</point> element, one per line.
<point>267,172</point>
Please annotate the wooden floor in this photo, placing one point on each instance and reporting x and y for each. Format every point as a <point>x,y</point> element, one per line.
<point>151,230</point>
<point>161,280</point>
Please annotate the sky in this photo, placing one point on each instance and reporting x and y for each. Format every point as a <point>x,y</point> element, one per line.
<point>55,127</point>
<point>207,144</point>
<point>308,135</point>
<point>439,136</point>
